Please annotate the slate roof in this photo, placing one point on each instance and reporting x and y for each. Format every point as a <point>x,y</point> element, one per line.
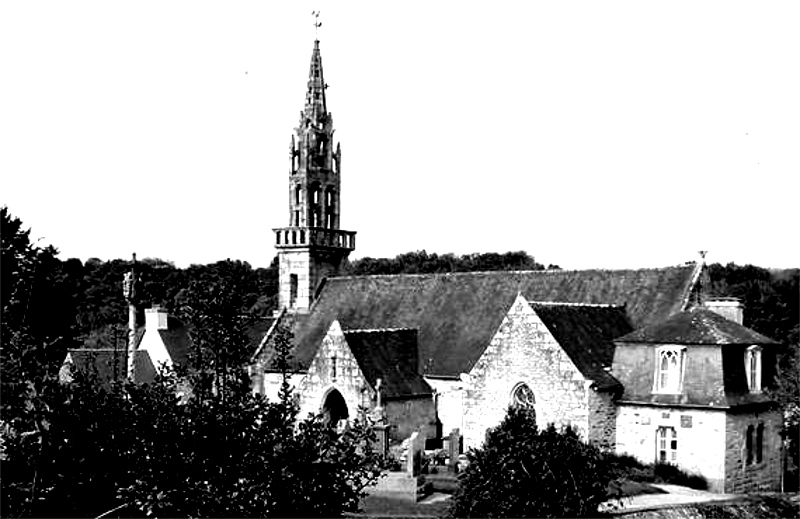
<point>256,332</point>
<point>176,340</point>
<point>586,333</point>
<point>457,314</point>
<point>391,355</point>
<point>111,364</point>
<point>696,326</point>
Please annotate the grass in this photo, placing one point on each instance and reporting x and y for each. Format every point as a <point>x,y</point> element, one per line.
<point>379,506</point>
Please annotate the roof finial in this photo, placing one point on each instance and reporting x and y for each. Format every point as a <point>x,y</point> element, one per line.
<point>703,255</point>
<point>317,24</point>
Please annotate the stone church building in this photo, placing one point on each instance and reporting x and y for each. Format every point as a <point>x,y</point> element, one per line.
<point>636,360</point>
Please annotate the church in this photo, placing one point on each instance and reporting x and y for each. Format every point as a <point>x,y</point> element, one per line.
<point>638,361</point>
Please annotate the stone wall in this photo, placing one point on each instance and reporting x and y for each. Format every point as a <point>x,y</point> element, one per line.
<point>754,477</point>
<point>700,436</point>
<point>346,378</point>
<point>271,384</point>
<point>602,419</point>
<point>294,262</point>
<point>523,351</point>
<point>311,266</point>
<point>410,414</point>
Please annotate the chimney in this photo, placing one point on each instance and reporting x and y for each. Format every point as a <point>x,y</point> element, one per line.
<point>728,307</point>
<point>155,318</point>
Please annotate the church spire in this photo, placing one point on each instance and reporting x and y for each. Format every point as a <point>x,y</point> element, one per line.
<point>313,246</point>
<point>316,111</point>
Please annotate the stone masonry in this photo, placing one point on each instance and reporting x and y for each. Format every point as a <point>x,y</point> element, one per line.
<point>346,377</point>
<point>741,476</point>
<point>524,351</point>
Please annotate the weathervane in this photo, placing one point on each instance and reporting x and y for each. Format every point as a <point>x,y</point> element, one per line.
<point>317,23</point>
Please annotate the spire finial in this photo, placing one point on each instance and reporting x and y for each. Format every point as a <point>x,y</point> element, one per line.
<point>317,24</point>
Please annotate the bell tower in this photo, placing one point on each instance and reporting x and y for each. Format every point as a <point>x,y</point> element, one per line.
<point>312,246</point>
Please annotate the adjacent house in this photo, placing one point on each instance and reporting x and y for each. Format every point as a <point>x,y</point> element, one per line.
<point>162,341</point>
<point>694,396</point>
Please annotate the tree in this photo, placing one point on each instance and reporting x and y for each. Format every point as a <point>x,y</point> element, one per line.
<point>524,472</point>
<point>421,262</point>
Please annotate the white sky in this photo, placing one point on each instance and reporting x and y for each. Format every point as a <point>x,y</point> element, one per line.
<point>590,134</point>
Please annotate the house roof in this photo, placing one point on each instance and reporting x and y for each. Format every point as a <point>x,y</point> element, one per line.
<point>391,355</point>
<point>457,314</point>
<point>111,364</point>
<point>176,340</point>
<point>256,332</point>
<point>586,333</point>
<point>696,326</point>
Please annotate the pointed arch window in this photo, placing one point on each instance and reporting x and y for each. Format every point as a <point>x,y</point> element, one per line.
<point>670,362</point>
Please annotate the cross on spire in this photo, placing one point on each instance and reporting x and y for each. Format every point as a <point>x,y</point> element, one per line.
<point>317,23</point>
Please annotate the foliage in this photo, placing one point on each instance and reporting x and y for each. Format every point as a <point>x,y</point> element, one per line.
<point>421,262</point>
<point>198,444</point>
<point>626,467</point>
<point>570,477</point>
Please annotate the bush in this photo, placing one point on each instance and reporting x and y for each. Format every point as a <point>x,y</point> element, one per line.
<point>523,472</point>
<point>626,467</point>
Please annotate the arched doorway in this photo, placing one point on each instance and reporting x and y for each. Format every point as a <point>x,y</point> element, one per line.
<point>334,408</point>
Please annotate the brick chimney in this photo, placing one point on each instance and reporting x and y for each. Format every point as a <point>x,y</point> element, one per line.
<point>728,307</point>
<point>155,318</point>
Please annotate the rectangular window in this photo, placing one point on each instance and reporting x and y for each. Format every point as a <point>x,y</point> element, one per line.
<point>752,366</point>
<point>666,445</point>
<point>669,370</point>
<point>749,444</point>
<point>292,290</point>
<point>759,442</point>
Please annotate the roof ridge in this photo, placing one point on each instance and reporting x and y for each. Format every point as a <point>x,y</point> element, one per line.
<point>376,330</point>
<point>98,349</point>
<point>484,272</point>
<point>558,303</point>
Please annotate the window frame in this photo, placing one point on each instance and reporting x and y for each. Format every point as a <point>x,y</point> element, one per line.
<point>753,368</point>
<point>670,444</point>
<point>674,384</point>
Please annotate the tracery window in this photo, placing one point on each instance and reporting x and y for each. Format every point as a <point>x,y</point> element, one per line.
<point>522,397</point>
<point>669,369</point>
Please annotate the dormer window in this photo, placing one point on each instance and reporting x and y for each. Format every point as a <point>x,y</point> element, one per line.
<point>752,367</point>
<point>669,369</point>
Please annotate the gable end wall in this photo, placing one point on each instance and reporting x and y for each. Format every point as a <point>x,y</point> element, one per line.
<point>523,350</point>
<point>349,380</point>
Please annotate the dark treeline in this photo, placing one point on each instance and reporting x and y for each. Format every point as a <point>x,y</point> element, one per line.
<point>71,298</point>
<point>421,262</point>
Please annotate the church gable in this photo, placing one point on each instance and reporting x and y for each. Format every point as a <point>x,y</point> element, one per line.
<point>334,368</point>
<point>523,352</point>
